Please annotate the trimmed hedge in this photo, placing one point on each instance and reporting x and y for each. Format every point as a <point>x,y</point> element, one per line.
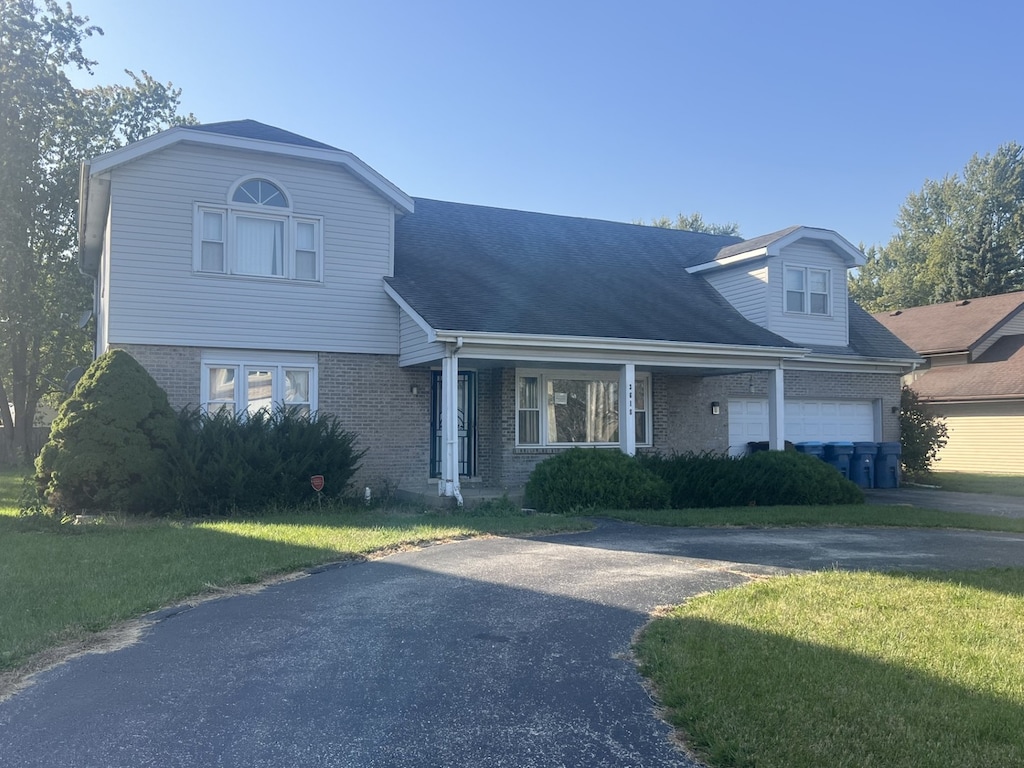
<point>583,479</point>
<point>247,462</point>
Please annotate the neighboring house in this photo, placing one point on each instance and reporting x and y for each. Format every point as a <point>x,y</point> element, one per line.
<point>973,375</point>
<point>246,266</point>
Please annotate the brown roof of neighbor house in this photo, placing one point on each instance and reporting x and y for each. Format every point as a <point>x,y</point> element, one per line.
<point>955,326</point>
<point>998,373</point>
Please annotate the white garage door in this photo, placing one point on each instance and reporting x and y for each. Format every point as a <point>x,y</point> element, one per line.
<point>821,420</point>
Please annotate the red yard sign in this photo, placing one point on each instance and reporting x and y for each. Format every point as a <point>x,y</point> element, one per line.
<point>317,481</point>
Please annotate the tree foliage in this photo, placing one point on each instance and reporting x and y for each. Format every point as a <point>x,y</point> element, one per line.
<point>693,222</point>
<point>112,444</point>
<point>958,238</point>
<point>47,127</point>
<point>922,433</point>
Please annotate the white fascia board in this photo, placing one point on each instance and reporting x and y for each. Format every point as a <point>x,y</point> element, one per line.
<point>180,134</point>
<point>415,316</point>
<point>814,362</point>
<point>728,261</point>
<point>838,243</point>
<point>93,205</point>
<point>630,346</point>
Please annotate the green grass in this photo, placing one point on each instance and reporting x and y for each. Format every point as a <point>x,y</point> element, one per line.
<point>975,482</point>
<point>840,515</point>
<point>59,583</point>
<point>847,670</point>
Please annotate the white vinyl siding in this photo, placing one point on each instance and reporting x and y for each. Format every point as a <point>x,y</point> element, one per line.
<point>414,346</point>
<point>156,297</point>
<point>746,289</point>
<point>806,420</point>
<point>983,437</point>
<point>804,326</point>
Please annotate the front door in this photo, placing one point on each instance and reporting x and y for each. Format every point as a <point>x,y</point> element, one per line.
<point>467,424</point>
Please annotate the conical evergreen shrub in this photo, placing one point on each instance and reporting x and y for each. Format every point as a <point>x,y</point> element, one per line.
<point>110,444</point>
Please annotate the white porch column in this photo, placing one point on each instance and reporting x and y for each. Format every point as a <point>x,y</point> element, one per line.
<point>776,411</point>
<point>448,485</point>
<point>627,407</point>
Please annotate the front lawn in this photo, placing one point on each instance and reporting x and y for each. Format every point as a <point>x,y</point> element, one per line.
<point>918,670</point>
<point>975,482</point>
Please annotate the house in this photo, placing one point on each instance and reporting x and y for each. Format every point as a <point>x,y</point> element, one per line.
<point>244,265</point>
<point>973,375</point>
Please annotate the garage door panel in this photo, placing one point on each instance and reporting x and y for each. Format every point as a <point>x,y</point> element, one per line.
<point>806,420</point>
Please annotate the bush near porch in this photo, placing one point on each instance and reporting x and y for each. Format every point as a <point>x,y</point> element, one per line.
<point>583,479</point>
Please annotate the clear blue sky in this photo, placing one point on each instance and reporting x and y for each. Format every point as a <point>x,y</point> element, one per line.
<point>767,114</point>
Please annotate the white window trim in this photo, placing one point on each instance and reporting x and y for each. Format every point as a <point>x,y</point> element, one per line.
<point>806,270</point>
<point>230,211</point>
<point>276,362</point>
<point>584,375</point>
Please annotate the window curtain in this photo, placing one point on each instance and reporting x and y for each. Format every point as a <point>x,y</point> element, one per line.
<point>260,246</point>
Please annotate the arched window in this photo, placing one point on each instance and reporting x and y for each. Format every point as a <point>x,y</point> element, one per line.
<point>260,192</point>
<point>256,234</point>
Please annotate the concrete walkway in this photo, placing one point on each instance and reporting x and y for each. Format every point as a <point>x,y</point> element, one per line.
<point>506,653</point>
<point>950,501</point>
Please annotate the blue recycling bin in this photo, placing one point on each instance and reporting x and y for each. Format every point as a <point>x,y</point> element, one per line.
<point>862,464</point>
<point>838,454</point>
<point>887,465</point>
<point>812,448</point>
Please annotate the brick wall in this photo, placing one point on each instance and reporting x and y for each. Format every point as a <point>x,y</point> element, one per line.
<point>372,397</point>
<point>176,369</point>
<point>682,414</point>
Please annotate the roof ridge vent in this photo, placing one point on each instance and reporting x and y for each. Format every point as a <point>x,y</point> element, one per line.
<point>963,303</point>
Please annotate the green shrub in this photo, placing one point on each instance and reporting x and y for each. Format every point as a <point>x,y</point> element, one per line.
<point>247,462</point>
<point>922,434</point>
<point>109,445</point>
<point>591,478</point>
<point>762,478</point>
<point>691,477</point>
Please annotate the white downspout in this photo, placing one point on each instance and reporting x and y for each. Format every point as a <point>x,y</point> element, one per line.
<point>449,483</point>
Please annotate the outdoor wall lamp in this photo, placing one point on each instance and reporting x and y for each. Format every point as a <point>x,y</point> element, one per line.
<point>716,408</point>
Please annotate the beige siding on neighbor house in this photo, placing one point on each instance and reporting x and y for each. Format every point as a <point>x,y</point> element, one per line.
<point>983,437</point>
<point>153,295</point>
<point>1012,328</point>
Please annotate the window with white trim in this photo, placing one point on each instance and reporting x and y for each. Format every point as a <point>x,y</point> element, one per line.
<point>807,290</point>
<point>239,386</point>
<point>576,408</point>
<point>257,234</point>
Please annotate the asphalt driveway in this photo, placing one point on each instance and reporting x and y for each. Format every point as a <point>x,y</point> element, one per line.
<point>489,652</point>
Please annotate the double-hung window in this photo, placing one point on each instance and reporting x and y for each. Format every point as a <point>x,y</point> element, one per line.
<point>576,408</point>
<point>239,385</point>
<point>258,234</point>
<point>807,290</point>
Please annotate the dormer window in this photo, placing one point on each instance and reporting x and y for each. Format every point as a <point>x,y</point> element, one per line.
<point>257,234</point>
<point>807,290</point>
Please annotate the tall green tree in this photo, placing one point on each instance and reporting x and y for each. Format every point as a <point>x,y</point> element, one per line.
<point>958,238</point>
<point>47,127</point>
<point>693,222</point>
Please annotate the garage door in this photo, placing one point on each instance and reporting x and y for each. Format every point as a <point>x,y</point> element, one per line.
<point>822,420</point>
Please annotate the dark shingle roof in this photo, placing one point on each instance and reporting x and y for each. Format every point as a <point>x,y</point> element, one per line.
<point>955,326</point>
<point>251,129</point>
<point>763,241</point>
<point>997,373</point>
<point>870,338</point>
<point>473,268</point>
